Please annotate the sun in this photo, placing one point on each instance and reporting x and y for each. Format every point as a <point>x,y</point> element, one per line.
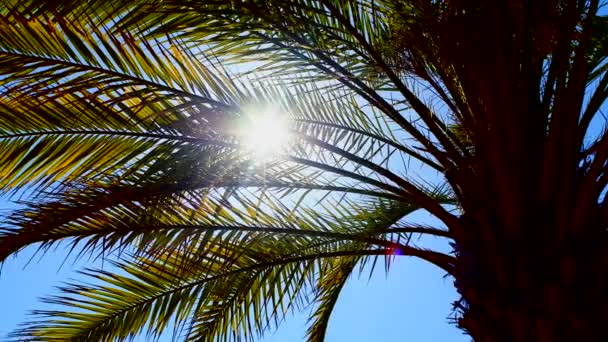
<point>265,133</point>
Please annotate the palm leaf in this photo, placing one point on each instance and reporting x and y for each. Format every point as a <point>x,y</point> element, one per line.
<point>127,121</point>
<point>225,282</point>
<point>52,70</point>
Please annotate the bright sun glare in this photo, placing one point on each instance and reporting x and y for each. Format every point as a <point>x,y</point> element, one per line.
<point>266,133</point>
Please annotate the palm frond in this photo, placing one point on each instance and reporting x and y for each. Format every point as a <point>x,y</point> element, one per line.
<point>328,290</point>
<point>232,282</point>
<point>325,44</point>
<point>71,91</point>
<point>123,117</point>
<point>127,304</point>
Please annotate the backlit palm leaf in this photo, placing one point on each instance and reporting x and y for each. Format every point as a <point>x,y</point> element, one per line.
<point>132,140</point>
<point>232,284</point>
<point>75,93</point>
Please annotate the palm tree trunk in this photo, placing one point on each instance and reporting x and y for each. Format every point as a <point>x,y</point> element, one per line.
<point>536,290</point>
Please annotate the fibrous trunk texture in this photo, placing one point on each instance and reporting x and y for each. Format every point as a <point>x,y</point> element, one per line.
<point>535,289</point>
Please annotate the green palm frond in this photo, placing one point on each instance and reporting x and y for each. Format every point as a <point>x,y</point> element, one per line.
<point>129,303</point>
<point>307,37</point>
<point>75,93</point>
<point>342,159</point>
<point>231,285</point>
<point>328,290</point>
<point>116,216</point>
<point>124,118</point>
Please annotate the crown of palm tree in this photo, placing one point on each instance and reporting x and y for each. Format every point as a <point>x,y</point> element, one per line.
<point>123,119</point>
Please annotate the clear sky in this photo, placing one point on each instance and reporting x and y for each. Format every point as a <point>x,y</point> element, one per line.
<point>412,303</point>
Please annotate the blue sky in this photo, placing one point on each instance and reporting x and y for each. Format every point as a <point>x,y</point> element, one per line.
<point>411,304</point>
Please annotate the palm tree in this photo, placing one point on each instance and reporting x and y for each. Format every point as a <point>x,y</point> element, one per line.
<point>128,123</point>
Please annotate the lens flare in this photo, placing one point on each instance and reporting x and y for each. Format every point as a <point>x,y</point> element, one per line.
<point>266,133</point>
